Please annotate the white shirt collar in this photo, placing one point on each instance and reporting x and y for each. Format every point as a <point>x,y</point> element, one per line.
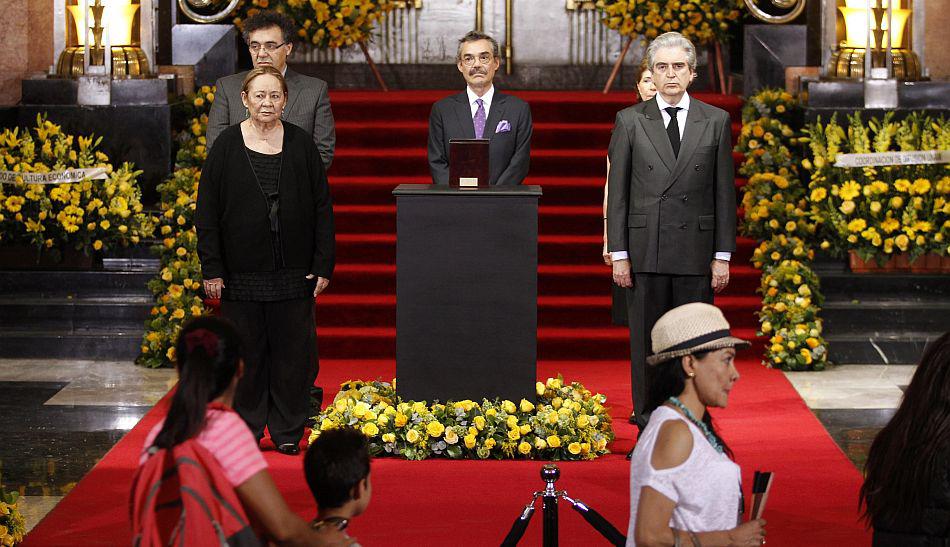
<point>684,102</point>
<point>486,98</point>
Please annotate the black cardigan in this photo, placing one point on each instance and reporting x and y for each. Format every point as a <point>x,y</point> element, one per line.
<point>231,217</point>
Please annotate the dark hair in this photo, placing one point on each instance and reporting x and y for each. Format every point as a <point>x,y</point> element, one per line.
<point>908,456</point>
<point>669,380</point>
<point>638,74</point>
<point>266,19</point>
<point>207,352</point>
<point>474,36</point>
<point>336,462</point>
<point>261,71</point>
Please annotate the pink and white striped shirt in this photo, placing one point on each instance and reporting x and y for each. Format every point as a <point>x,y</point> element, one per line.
<point>228,439</point>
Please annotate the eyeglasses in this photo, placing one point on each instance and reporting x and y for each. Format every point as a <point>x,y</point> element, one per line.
<point>663,68</point>
<point>484,58</point>
<point>269,47</point>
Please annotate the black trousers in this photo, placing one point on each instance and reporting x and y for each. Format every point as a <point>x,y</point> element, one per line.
<point>280,365</point>
<point>651,296</point>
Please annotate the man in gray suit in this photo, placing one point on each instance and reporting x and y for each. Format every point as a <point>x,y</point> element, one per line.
<point>481,112</point>
<point>671,209</point>
<point>269,36</point>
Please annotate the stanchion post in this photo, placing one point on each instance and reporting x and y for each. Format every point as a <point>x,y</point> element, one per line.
<point>550,474</point>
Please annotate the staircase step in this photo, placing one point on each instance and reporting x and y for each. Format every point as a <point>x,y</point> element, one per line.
<point>546,107</point>
<point>872,347</point>
<point>552,249</point>
<point>379,310</point>
<point>415,133</point>
<point>36,312</point>
<point>414,162</point>
<point>86,344</point>
<point>553,279</point>
<point>91,283</point>
<point>913,314</point>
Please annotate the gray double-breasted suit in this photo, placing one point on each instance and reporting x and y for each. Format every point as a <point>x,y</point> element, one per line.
<point>308,107</point>
<point>670,212</point>
<point>508,130</point>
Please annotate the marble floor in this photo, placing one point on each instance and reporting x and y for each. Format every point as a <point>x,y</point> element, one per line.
<point>61,417</point>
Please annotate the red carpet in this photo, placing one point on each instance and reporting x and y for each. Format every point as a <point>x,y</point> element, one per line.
<point>381,141</point>
<point>813,500</point>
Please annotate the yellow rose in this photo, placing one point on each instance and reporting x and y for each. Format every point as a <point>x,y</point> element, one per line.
<point>554,383</point>
<point>389,438</point>
<point>847,207</point>
<point>574,448</point>
<point>491,412</point>
<point>479,422</point>
<point>902,241</point>
<point>539,444</point>
<point>526,405</point>
<point>370,430</point>
<point>326,424</point>
<point>470,441</point>
<point>511,422</point>
<point>178,313</point>
<point>857,225</point>
<point>451,436</point>
<point>509,407</point>
<point>490,443</point>
<point>419,407</point>
<point>539,388</point>
<point>583,421</point>
<point>552,417</point>
<point>412,436</point>
<point>524,448</point>
<point>525,429</point>
<point>435,429</point>
<point>875,206</point>
<point>514,434</point>
<point>97,245</point>
<point>360,409</point>
<point>340,405</point>
<point>553,441</point>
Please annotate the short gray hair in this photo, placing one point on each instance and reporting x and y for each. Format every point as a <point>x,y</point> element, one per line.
<point>474,36</point>
<point>672,39</point>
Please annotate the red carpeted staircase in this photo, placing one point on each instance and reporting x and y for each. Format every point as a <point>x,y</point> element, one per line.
<point>381,143</point>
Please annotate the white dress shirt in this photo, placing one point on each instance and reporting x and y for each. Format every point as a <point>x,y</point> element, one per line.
<point>486,100</point>
<point>681,114</point>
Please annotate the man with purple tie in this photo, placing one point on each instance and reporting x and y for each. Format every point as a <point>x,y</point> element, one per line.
<point>481,112</point>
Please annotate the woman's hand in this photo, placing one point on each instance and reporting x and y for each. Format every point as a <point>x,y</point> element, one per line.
<point>213,287</point>
<point>322,283</point>
<point>748,533</point>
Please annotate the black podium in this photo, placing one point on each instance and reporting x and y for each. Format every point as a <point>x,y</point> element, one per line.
<point>466,292</point>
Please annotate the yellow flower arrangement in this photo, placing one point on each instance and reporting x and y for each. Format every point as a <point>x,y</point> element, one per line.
<point>580,428</point>
<point>791,301</point>
<point>89,215</point>
<point>703,22</point>
<point>325,23</point>
<point>177,286</point>
<point>777,211</point>
<point>879,211</point>
<point>12,523</point>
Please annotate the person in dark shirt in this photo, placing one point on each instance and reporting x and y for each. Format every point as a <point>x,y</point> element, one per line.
<point>906,492</point>
<point>266,245</point>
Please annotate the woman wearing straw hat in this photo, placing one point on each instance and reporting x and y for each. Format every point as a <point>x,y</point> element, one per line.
<point>684,487</point>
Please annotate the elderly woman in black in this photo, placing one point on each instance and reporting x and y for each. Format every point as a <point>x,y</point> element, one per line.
<point>266,244</point>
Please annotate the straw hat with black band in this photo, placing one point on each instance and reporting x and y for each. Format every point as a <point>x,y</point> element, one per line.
<point>691,328</point>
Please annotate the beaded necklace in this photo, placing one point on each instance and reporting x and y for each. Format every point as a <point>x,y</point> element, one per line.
<point>700,424</point>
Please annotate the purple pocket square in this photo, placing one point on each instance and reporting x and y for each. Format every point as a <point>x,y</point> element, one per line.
<point>503,127</point>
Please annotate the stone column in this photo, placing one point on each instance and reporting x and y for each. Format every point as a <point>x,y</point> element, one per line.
<point>27,30</point>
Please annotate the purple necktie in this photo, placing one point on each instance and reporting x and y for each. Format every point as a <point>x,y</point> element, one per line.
<point>479,119</point>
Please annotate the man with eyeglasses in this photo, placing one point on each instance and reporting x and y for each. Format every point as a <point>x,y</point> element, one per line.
<point>481,112</point>
<point>671,205</point>
<point>269,36</point>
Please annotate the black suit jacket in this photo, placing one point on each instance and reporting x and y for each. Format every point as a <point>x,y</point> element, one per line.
<point>508,152</point>
<point>308,107</point>
<point>671,213</point>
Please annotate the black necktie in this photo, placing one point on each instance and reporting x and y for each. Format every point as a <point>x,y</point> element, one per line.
<point>673,128</point>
